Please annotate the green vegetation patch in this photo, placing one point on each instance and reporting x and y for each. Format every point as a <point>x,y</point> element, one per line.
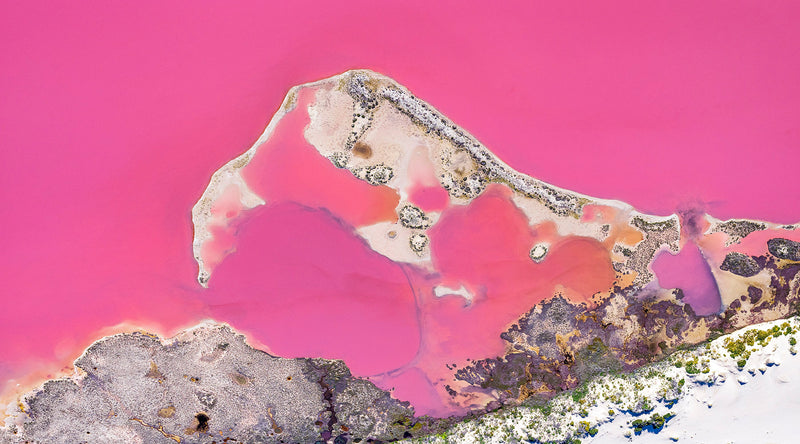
<point>656,422</point>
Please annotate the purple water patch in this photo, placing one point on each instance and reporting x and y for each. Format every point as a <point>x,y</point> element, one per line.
<point>689,271</point>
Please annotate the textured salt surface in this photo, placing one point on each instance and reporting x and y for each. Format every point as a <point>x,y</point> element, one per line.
<point>206,384</point>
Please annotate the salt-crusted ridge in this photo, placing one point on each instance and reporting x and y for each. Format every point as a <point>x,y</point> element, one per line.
<point>229,174</point>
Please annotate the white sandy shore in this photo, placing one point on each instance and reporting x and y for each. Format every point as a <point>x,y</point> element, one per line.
<point>715,401</point>
<point>756,405</point>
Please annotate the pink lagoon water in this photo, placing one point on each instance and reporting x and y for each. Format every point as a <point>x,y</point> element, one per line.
<point>689,271</point>
<point>114,116</point>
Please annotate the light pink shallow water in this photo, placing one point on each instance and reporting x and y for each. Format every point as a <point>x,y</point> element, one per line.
<point>689,271</point>
<point>114,116</point>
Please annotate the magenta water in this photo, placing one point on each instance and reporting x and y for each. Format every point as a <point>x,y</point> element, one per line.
<point>689,271</point>
<point>115,116</point>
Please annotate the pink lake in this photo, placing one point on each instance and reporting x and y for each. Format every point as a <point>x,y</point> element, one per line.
<point>115,116</point>
<point>689,271</point>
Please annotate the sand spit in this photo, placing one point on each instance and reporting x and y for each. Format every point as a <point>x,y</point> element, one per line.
<point>369,125</point>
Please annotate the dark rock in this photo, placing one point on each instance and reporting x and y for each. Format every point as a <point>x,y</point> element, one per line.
<point>740,264</point>
<point>784,249</point>
<point>755,294</point>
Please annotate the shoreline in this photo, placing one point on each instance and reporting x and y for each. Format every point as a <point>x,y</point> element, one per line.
<point>665,397</point>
